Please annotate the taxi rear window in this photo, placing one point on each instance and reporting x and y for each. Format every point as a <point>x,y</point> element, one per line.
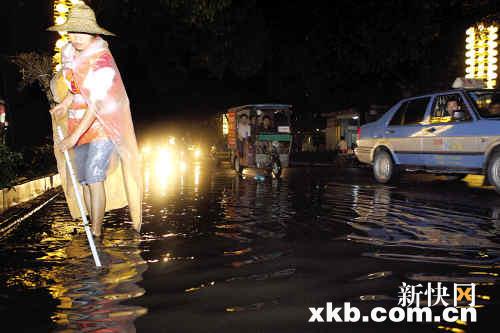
<point>487,102</point>
<point>410,112</point>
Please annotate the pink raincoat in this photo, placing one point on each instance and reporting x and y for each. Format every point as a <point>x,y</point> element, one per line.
<point>96,75</point>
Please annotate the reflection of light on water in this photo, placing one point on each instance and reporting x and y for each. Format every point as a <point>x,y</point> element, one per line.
<point>55,255</point>
<point>197,288</point>
<point>197,153</point>
<point>355,195</point>
<point>162,185</point>
<point>197,173</point>
<point>182,171</point>
<point>451,329</point>
<point>182,166</point>
<point>182,184</point>
<point>163,169</point>
<point>86,297</point>
<point>147,175</point>
<point>169,171</point>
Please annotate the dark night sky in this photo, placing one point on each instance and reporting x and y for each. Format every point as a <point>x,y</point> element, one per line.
<point>182,63</point>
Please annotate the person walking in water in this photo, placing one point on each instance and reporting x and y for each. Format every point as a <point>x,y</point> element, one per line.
<point>95,113</point>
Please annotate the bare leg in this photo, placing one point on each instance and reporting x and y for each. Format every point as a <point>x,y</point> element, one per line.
<point>87,199</point>
<point>98,198</point>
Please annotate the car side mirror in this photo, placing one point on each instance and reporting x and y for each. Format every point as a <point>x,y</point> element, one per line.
<point>458,115</point>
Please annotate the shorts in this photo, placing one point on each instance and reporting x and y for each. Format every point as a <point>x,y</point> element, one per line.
<point>92,161</point>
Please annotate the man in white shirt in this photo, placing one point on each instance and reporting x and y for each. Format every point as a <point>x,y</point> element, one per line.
<point>243,132</point>
<point>243,127</point>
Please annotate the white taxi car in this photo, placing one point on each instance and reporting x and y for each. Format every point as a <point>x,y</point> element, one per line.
<point>456,132</point>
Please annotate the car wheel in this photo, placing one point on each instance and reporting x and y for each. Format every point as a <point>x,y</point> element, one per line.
<point>494,171</point>
<point>384,168</point>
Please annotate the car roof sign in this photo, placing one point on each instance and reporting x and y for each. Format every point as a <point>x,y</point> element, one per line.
<point>466,83</point>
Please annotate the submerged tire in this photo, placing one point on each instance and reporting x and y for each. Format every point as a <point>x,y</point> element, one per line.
<point>384,168</point>
<point>494,170</point>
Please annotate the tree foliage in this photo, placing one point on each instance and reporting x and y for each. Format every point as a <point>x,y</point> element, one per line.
<point>197,12</point>
<point>319,54</point>
<point>10,163</point>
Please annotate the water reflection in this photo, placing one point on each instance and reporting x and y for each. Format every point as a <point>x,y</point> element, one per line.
<point>388,219</point>
<point>254,210</point>
<point>445,233</point>
<point>86,299</point>
<point>227,253</point>
<point>165,179</point>
<point>90,299</point>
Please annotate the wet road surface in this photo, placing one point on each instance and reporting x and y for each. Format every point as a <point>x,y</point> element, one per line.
<point>219,253</point>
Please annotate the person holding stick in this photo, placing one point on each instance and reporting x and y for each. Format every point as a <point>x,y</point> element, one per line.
<point>95,113</point>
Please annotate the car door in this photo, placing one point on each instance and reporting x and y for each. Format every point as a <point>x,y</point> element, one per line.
<point>449,143</point>
<point>403,131</point>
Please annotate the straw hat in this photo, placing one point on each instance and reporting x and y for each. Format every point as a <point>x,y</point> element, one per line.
<point>81,18</point>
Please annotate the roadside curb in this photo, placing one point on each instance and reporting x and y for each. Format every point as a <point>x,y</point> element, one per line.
<point>11,218</point>
<point>21,201</point>
<point>27,191</point>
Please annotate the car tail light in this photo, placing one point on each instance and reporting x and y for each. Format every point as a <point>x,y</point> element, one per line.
<point>359,133</point>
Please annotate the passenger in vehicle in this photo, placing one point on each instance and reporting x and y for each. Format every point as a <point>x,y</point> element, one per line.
<point>253,127</point>
<point>252,138</point>
<point>452,105</point>
<point>267,124</point>
<point>243,132</point>
<point>494,107</point>
<point>455,110</point>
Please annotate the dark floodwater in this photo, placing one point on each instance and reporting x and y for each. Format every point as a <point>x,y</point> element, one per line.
<point>224,254</point>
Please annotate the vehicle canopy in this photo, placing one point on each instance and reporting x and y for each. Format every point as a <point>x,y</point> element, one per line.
<point>277,114</point>
<point>261,107</point>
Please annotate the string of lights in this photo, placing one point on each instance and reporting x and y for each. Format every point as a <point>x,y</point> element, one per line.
<point>61,10</point>
<point>482,54</point>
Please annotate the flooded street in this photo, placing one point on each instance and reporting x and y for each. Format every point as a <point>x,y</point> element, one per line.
<point>220,253</point>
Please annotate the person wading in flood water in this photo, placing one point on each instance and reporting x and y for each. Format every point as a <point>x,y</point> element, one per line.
<point>95,113</point>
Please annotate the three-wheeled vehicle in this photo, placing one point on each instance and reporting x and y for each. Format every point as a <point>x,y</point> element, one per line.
<point>259,136</point>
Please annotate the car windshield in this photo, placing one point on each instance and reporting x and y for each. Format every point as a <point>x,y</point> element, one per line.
<point>487,102</point>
